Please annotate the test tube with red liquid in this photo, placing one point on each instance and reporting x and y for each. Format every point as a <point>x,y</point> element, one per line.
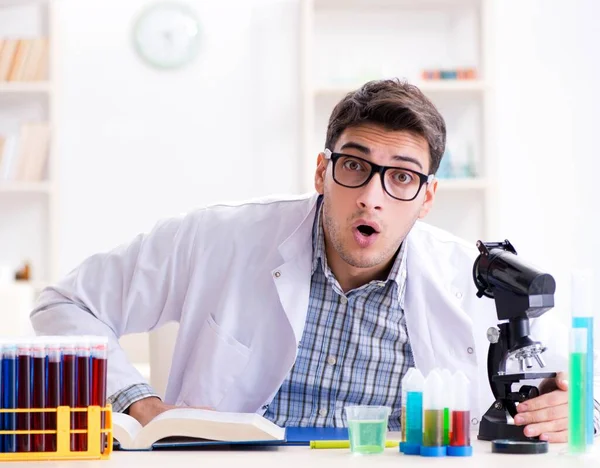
<point>83,390</point>
<point>38,394</point>
<point>460,440</point>
<point>24,395</point>
<point>69,382</point>
<point>99,352</point>
<point>53,350</point>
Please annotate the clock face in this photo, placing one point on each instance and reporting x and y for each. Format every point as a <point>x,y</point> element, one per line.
<point>166,35</point>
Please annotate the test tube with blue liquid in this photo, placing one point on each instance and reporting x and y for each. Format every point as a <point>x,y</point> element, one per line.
<point>405,381</point>
<point>9,394</point>
<point>414,413</point>
<point>581,364</point>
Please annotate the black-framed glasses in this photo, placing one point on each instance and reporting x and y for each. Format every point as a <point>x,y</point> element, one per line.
<point>398,182</point>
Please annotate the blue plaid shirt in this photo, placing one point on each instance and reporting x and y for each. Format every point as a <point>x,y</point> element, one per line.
<point>354,350</point>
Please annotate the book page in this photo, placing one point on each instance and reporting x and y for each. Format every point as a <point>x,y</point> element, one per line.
<point>206,424</point>
<point>125,429</point>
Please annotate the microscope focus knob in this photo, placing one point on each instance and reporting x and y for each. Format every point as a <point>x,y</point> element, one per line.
<point>527,392</point>
<point>493,335</point>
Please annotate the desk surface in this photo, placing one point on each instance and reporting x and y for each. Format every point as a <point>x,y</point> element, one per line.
<point>304,457</point>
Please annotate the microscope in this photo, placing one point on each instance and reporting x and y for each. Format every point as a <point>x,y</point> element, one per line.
<point>520,292</point>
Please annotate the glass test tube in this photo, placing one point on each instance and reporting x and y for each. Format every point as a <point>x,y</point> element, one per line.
<point>83,390</point>
<point>53,395</point>
<point>433,416</point>
<point>38,393</point>
<point>582,359</point>
<point>414,413</point>
<point>447,395</point>
<point>69,382</point>
<point>405,381</point>
<point>99,352</point>
<point>1,400</point>
<point>460,438</point>
<point>24,395</point>
<point>9,394</point>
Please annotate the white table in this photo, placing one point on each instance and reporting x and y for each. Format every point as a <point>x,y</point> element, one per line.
<point>304,457</point>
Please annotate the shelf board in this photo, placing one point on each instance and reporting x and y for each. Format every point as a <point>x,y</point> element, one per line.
<point>404,4</point>
<point>25,187</point>
<point>13,3</point>
<point>475,183</point>
<point>23,87</point>
<point>437,86</point>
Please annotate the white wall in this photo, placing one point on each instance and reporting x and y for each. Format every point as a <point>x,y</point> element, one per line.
<point>136,144</point>
<point>547,71</point>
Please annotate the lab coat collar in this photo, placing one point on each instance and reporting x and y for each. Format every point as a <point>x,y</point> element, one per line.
<point>301,239</point>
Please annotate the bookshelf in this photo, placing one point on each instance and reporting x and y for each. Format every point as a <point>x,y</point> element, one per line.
<point>345,43</point>
<point>27,119</point>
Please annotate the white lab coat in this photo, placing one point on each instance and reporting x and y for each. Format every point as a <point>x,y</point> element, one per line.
<point>237,279</point>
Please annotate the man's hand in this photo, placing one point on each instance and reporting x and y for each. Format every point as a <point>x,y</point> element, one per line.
<point>546,415</point>
<point>147,409</point>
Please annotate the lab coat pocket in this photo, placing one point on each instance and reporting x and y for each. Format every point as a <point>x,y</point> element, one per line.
<point>216,361</point>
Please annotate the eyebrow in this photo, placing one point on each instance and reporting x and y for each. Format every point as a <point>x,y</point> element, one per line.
<point>365,150</point>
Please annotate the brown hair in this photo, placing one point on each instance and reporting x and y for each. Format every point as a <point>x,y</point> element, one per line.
<point>395,105</point>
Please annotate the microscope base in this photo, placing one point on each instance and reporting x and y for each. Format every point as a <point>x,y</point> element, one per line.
<point>494,426</point>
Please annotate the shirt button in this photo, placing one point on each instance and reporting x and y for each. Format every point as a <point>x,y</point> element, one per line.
<point>470,350</point>
<point>331,360</point>
<point>474,421</point>
<point>323,412</point>
<point>343,299</point>
<point>277,274</point>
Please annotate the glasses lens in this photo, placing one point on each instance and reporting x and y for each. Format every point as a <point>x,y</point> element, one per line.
<point>402,184</point>
<point>351,172</point>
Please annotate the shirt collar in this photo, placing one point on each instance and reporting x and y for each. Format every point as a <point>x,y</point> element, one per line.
<point>397,273</point>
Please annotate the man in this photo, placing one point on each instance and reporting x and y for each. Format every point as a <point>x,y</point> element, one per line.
<point>295,308</point>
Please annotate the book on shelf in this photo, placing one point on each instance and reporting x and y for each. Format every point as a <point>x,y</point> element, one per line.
<point>193,426</point>
<point>24,59</point>
<point>24,157</point>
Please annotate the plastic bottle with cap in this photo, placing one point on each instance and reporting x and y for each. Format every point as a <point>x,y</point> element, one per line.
<point>414,413</point>
<point>460,438</point>
<point>433,416</point>
<point>405,381</point>
<point>448,380</point>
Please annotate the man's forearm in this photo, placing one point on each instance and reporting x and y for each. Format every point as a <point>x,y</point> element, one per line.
<point>124,398</point>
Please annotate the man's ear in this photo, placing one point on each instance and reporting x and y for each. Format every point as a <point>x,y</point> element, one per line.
<point>320,174</point>
<point>429,198</point>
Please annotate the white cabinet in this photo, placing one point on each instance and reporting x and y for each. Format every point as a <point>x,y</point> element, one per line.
<point>27,158</point>
<point>346,43</point>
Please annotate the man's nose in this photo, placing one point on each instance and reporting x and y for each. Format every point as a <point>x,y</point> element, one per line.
<point>372,195</point>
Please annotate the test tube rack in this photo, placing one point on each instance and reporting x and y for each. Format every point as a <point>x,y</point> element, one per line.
<point>64,433</point>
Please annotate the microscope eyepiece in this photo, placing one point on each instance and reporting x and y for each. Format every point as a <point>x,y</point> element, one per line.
<point>520,289</point>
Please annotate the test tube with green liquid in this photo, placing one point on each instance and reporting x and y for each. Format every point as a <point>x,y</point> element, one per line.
<point>448,383</point>
<point>433,416</point>
<point>581,365</point>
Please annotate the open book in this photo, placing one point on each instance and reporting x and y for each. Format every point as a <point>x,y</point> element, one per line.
<point>198,424</point>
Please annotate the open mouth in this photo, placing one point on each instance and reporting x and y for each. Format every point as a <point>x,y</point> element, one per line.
<point>366,230</point>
